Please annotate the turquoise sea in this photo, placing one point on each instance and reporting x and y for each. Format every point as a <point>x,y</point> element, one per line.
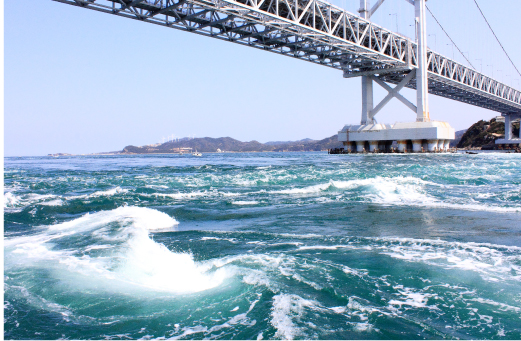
<point>263,246</point>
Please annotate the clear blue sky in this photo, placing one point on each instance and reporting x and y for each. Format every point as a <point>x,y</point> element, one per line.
<point>79,81</point>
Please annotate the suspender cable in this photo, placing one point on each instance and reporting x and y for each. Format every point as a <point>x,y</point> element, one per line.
<point>468,61</point>
<point>483,15</point>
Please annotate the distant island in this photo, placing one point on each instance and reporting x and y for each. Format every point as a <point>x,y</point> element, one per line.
<point>481,135</point>
<point>228,144</point>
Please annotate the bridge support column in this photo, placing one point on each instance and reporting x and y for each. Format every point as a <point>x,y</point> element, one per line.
<point>360,145</point>
<point>416,146</point>
<point>509,134</point>
<point>373,146</point>
<point>441,145</point>
<point>367,83</point>
<point>367,100</point>
<point>402,146</point>
<point>432,145</point>
<point>422,82</point>
<point>508,128</point>
<point>446,145</point>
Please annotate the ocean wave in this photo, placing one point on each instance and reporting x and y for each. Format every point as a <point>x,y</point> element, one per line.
<point>245,202</point>
<point>16,203</point>
<point>404,191</point>
<point>285,310</point>
<point>114,247</point>
<point>194,195</point>
<point>182,196</point>
<point>492,262</point>
<point>108,193</point>
<point>11,200</point>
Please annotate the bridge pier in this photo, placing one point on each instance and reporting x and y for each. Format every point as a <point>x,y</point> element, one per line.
<point>510,118</point>
<point>424,134</point>
<point>402,146</point>
<point>360,146</point>
<point>432,136</point>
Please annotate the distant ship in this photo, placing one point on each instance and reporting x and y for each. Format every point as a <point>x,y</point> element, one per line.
<point>196,153</point>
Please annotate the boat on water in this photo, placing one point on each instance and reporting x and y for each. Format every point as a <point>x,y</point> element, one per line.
<point>196,153</point>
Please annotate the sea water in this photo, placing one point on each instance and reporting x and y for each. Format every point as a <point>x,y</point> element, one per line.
<point>263,246</point>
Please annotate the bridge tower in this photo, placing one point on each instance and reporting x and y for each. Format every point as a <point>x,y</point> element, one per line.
<point>422,135</point>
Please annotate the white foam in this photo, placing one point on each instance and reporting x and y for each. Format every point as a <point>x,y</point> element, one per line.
<point>131,259</point>
<point>153,266</point>
<point>322,247</point>
<point>57,202</point>
<point>211,238</point>
<point>412,298</point>
<point>363,327</point>
<point>492,262</point>
<point>189,331</point>
<point>502,306</point>
<point>285,309</point>
<point>108,193</point>
<point>304,190</point>
<point>401,191</point>
<point>11,200</point>
<point>181,196</point>
<point>231,240</point>
<point>157,186</point>
<point>15,203</point>
<point>410,191</point>
<point>138,217</point>
<point>251,202</point>
<point>355,272</point>
<point>230,194</point>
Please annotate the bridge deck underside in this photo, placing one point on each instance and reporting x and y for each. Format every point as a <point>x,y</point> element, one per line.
<point>320,33</point>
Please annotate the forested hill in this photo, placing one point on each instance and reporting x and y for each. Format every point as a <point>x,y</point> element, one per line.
<point>483,134</point>
<point>228,144</point>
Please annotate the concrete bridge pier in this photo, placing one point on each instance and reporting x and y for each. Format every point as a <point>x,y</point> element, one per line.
<point>509,135</point>
<point>402,146</point>
<point>446,145</point>
<point>373,146</point>
<point>416,146</point>
<point>360,146</point>
<point>432,145</point>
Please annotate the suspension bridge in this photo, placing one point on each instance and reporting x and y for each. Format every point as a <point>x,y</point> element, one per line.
<point>321,33</point>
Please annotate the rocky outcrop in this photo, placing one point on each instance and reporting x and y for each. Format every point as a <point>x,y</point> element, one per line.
<point>483,134</point>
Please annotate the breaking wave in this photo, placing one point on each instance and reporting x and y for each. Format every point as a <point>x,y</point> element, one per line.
<point>401,191</point>
<point>115,247</point>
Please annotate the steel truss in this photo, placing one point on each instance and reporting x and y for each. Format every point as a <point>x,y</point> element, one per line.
<point>318,32</point>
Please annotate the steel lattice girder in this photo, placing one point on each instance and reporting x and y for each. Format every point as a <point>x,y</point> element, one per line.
<point>318,32</point>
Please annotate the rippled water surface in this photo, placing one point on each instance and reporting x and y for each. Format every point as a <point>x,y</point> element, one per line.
<point>263,246</point>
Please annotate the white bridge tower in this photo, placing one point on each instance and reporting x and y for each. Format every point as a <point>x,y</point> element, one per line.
<point>422,135</point>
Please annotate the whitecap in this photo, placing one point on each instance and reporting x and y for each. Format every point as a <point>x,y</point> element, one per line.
<point>126,259</point>
<point>285,309</point>
<point>181,196</point>
<point>11,200</point>
<point>108,193</point>
<point>245,202</point>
